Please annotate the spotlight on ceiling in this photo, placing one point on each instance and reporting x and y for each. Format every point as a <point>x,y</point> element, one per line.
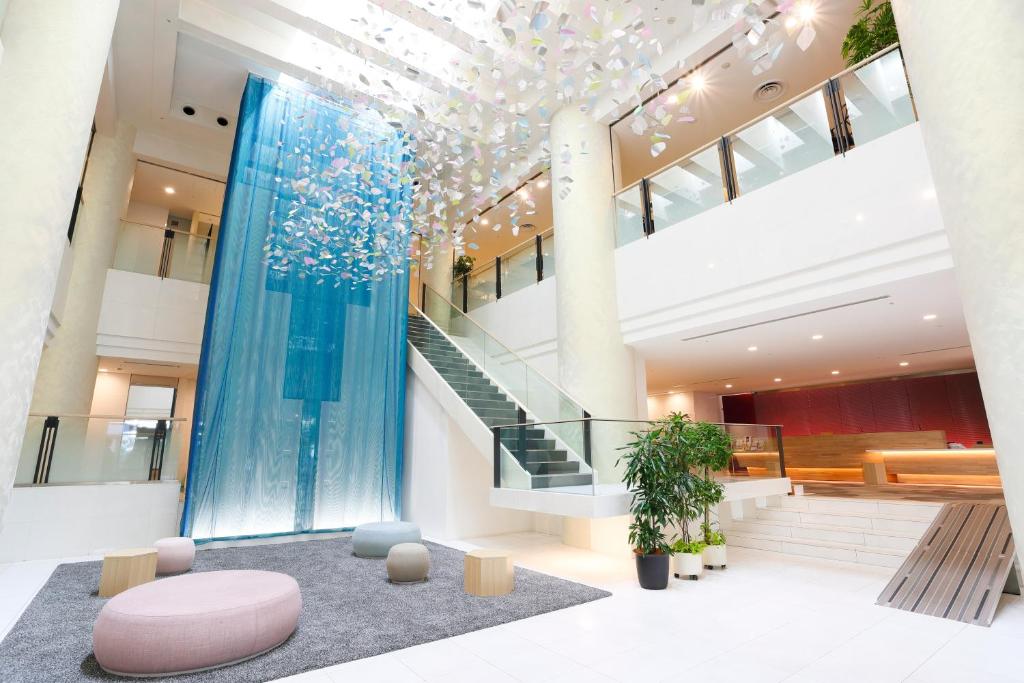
<point>169,190</point>
<point>929,316</point>
<point>835,372</point>
<point>697,81</point>
<point>484,221</point>
<point>806,11</point>
<point>777,379</point>
<point>728,386</point>
<point>904,363</point>
<point>817,337</point>
<point>751,348</point>
<point>542,183</point>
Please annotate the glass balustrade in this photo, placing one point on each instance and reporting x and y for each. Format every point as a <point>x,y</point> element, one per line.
<point>878,98</point>
<point>687,188</point>
<point>536,394</point>
<point>784,142</point>
<point>519,267</point>
<point>547,253</point>
<point>154,250</point>
<point>483,284</point>
<point>62,449</point>
<point>788,139</point>
<point>520,464</point>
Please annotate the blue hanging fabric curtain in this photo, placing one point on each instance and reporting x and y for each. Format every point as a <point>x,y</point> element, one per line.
<point>301,390</point>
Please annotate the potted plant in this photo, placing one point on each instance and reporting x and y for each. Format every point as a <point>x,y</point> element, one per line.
<point>649,476</point>
<point>687,559</point>
<point>710,450</point>
<point>874,30</point>
<point>463,266</point>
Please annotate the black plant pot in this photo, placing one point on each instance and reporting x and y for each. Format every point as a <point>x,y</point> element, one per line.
<point>652,571</point>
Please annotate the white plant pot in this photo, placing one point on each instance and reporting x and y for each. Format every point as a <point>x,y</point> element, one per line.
<point>687,565</point>
<point>714,556</point>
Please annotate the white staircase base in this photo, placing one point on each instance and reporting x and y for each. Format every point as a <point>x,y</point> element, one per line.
<point>874,532</point>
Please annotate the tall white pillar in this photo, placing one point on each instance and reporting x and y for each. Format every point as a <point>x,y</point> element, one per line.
<point>67,370</point>
<point>54,53</point>
<point>593,363</point>
<point>966,66</point>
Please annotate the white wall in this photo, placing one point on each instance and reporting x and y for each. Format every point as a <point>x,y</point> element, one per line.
<point>144,317</point>
<point>525,321</point>
<point>69,521</point>
<point>798,239</point>
<point>699,405</point>
<point>447,480</point>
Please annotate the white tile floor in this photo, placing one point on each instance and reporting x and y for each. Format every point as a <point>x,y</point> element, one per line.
<point>768,617</point>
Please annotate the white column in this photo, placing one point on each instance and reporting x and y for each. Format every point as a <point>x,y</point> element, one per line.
<point>67,369</point>
<point>593,363</point>
<point>965,61</point>
<point>54,53</point>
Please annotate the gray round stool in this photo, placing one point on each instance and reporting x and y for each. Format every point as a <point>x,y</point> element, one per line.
<point>376,538</point>
<point>408,563</point>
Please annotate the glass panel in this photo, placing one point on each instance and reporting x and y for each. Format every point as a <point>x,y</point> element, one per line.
<point>138,248</point>
<point>191,258</point>
<point>686,189</point>
<point>547,250</point>
<point>519,267</point>
<point>787,141</point>
<point>755,451</point>
<point>482,286</point>
<point>629,219</point>
<point>100,449</point>
<point>878,98</point>
<point>457,287</point>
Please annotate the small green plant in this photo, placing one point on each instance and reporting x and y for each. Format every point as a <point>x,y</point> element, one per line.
<point>712,536</point>
<point>687,547</point>
<point>463,266</point>
<point>874,30</point>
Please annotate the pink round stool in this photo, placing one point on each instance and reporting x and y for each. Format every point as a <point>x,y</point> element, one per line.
<point>195,621</point>
<point>174,555</point>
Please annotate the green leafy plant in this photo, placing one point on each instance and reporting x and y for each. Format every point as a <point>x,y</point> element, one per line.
<point>874,30</point>
<point>712,536</point>
<point>650,476</point>
<point>463,266</point>
<point>687,547</point>
<point>710,450</point>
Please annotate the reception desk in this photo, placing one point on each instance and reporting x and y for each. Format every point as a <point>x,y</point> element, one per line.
<point>959,466</point>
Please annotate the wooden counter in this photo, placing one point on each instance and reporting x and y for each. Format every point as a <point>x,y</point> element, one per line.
<point>962,466</point>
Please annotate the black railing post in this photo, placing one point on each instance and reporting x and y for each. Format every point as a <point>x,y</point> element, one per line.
<point>47,441</point>
<point>838,117</point>
<point>647,207</point>
<point>521,434</point>
<point>586,438</point>
<point>540,257</point>
<point>782,452</point>
<point>156,454</point>
<point>497,456</point>
<point>423,298</point>
<point>465,293</point>
<point>164,268</point>
<point>731,185</point>
<point>497,277</point>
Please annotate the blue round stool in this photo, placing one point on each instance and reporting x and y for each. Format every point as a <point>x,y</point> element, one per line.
<point>376,538</point>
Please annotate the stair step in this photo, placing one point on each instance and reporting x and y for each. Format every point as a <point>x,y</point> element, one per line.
<point>535,440</point>
<point>897,540</point>
<point>543,481</point>
<point>568,467</point>
<point>921,511</point>
<point>537,455</point>
<point>853,520</point>
<point>830,550</point>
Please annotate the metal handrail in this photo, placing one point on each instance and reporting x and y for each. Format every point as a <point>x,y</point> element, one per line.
<point>165,228</point>
<point>107,417</point>
<point>611,419</point>
<point>761,117</point>
<point>518,247</point>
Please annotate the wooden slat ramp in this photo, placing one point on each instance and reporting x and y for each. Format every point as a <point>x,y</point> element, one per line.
<point>959,568</point>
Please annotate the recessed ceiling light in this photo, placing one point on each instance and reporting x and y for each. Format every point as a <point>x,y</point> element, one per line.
<point>860,217</point>
<point>728,386</point>
<point>928,193</point>
<point>904,363</point>
<point>751,348</point>
<point>104,370</point>
<point>835,372</point>
<point>672,99</point>
<point>816,337</point>
<point>777,379</point>
<point>806,12</point>
<point>791,22</point>
<point>169,190</point>
<point>697,81</point>
<point>189,110</point>
<point>484,221</point>
<point>930,316</point>
<point>221,121</point>
<point>711,266</point>
<point>542,183</point>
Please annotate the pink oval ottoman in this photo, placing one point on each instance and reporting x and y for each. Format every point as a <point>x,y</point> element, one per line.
<point>195,621</point>
<point>174,555</point>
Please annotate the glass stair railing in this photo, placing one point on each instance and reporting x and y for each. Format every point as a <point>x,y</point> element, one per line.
<point>501,389</point>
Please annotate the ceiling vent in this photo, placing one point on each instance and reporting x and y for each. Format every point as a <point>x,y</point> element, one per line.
<point>768,91</point>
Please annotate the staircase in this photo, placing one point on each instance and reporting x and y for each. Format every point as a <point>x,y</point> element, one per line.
<point>547,465</point>
<point>874,532</point>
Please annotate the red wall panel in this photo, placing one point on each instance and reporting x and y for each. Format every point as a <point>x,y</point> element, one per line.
<point>951,403</point>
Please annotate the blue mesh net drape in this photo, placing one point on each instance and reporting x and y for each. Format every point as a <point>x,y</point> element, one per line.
<point>298,417</point>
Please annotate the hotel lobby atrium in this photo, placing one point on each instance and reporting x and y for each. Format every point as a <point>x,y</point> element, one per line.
<point>511,340</point>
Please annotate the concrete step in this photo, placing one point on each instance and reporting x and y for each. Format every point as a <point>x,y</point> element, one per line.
<point>829,550</point>
<point>826,504</point>
<point>567,467</point>
<point>895,540</point>
<point>854,520</point>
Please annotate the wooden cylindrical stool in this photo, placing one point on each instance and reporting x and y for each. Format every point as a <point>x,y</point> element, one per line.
<point>126,569</point>
<point>488,573</point>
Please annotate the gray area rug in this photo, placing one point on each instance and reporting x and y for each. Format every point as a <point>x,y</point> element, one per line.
<point>349,611</point>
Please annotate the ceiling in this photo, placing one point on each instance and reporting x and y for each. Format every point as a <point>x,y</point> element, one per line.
<point>864,335</point>
<point>191,192</point>
<point>494,233</point>
<point>150,368</point>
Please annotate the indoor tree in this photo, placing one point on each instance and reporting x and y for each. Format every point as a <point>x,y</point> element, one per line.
<point>874,30</point>
<point>463,266</point>
<point>709,450</point>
